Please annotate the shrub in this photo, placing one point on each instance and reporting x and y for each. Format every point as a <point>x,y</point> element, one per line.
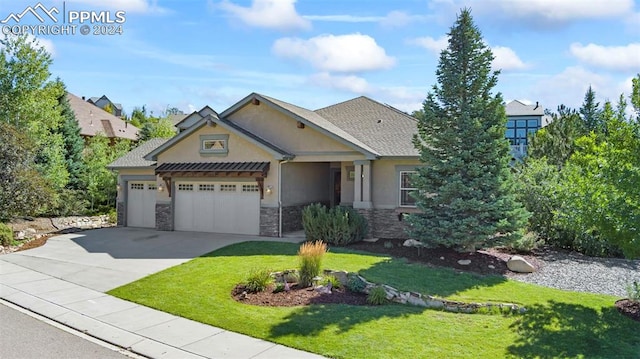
<point>337,226</point>
<point>113,216</point>
<point>633,291</point>
<point>377,296</point>
<point>310,254</point>
<point>355,284</point>
<point>258,280</point>
<point>279,287</point>
<point>6,235</point>
<point>335,283</point>
<point>527,242</point>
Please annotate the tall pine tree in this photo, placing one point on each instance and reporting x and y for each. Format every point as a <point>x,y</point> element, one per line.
<point>590,112</point>
<point>73,142</point>
<point>465,190</point>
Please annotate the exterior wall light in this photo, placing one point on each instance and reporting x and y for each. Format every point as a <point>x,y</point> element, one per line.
<point>118,187</point>
<point>160,187</point>
<point>269,189</point>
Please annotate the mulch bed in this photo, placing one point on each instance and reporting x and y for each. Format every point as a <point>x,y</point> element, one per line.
<point>297,296</point>
<point>629,308</point>
<point>485,262</point>
<point>34,243</point>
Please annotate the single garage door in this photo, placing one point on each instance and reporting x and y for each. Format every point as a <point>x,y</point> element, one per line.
<point>141,204</point>
<point>217,207</point>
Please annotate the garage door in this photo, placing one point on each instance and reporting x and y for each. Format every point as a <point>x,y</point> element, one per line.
<point>217,207</point>
<point>141,204</point>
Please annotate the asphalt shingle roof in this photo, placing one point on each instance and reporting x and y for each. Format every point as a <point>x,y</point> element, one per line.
<point>93,120</point>
<point>385,129</point>
<point>135,157</point>
<point>517,108</point>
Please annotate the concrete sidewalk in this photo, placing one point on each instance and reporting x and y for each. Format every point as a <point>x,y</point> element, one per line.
<point>142,330</point>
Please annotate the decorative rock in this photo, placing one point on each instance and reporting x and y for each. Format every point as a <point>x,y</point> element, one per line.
<point>370,240</point>
<point>340,275</point>
<point>323,289</point>
<point>464,262</point>
<point>491,266</point>
<point>412,243</point>
<point>520,265</point>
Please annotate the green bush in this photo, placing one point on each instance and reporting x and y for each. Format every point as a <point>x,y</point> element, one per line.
<point>527,242</point>
<point>113,216</point>
<point>310,254</point>
<point>337,226</point>
<point>335,283</point>
<point>6,235</point>
<point>70,203</point>
<point>377,296</point>
<point>258,280</point>
<point>355,284</point>
<point>279,288</point>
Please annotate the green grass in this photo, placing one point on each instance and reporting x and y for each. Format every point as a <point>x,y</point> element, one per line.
<point>558,324</point>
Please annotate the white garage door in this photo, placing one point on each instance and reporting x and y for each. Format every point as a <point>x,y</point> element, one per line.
<point>217,207</point>
<point>141,204</point>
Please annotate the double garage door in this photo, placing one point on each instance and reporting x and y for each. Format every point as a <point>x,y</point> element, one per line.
<point>221,207</point>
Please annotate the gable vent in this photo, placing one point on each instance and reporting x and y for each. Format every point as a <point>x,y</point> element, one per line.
<point>255,102</point>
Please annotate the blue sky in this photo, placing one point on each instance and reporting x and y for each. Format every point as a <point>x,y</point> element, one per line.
<point>312,53</point>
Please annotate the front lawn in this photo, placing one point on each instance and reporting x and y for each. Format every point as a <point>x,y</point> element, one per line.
<point>557,324</point>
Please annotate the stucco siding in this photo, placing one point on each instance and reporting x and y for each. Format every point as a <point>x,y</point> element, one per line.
<point>278,128</point>
<point>304,183</point>
<point>386,191</point>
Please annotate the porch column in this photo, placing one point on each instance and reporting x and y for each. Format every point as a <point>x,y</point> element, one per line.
<point>362,183</point>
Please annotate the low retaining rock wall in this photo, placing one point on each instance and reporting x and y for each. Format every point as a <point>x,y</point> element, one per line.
<point>36,228</point>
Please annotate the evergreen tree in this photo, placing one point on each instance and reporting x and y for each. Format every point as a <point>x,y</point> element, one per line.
<point>590,113</point>
<point>465,190</point>
<point>73,143</point>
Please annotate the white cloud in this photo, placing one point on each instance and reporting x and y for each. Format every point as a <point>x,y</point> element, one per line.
<point>434,45</point>
<point>349,83</point>
<point>542,12</point>
<point>337,53</point>
<point>623,58</point>
<point>133,6</point>
<point>505,58</point>
<point>271,14</point>
<point>392,19</point>
<point>569,87</point>
<point>343,18</point>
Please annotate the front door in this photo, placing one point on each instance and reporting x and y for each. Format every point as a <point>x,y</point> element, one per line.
<point>336,180</point>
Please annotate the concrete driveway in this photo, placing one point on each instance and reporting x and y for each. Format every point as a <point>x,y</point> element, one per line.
<point>107,258</point>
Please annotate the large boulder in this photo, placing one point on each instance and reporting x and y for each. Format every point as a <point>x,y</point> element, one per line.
<point>520,265</point>
<point>412,243</point>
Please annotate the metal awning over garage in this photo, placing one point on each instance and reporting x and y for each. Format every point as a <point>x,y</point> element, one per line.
<point>257,170</point>
<point>214,169</point>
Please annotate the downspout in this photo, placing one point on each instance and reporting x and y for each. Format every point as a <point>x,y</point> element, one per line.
<point>280,197</point>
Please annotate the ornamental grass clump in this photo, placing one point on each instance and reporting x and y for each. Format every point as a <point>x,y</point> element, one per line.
<point>310,254</point>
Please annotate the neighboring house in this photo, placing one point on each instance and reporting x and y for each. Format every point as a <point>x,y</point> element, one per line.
<point>252,168</point>
<point>103,102</point>
<point>93,120</point>
<point>176,118</point>
<point>523,120</point>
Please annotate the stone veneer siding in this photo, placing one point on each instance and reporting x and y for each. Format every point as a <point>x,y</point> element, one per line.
<point>120,214</point>
<point>292,218</point>
<point>384,223</point>
<point>269,221</point>
<point>164,217</point>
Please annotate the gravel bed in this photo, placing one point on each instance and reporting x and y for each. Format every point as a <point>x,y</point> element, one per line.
<point>576,272</point>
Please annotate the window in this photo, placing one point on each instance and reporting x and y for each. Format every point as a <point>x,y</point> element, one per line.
<point>206,187</point>
<point>227,188</point>
<point>152,187</point>
<point>137,186</point>
<point>250,188</point>
<point>406,187</point>
<point>214,145</point>
<point>185,187</point>
<point>518,130</point>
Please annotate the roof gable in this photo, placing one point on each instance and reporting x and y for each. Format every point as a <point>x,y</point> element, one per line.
<point>277,152</point>
<point>308,118</point>
<point>135,157</point>
<point>194,117</point>
<point>517,108</point>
